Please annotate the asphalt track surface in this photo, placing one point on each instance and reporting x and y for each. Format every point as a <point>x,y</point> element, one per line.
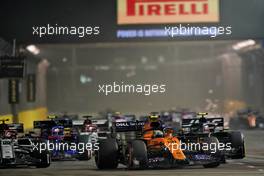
<point>252,165</point>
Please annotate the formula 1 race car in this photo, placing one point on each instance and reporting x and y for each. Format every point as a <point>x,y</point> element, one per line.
<point>247,119</point>
<point>67,132</point>
<point>59,136</point>
<point>58,131</point>
<point>230,143</point>
<point>16,151</point>
<point>158,146</point>
<point>87,135</point>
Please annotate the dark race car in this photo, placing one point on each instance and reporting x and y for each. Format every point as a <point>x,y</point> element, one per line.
<point>230,144</point>
<point>247,119</point>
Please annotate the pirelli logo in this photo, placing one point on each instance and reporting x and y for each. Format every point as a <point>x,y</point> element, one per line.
<point>167,11</point>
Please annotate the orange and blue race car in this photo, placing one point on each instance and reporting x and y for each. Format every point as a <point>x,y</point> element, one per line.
<point>157,146</point>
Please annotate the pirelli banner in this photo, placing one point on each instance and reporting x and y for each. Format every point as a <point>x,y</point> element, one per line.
<point>167,11</point>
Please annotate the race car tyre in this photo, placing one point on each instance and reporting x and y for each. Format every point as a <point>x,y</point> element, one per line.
<point>107,155</point>
<point>237,139</point>
<point>45,160</point>
<point>211,165</point>
<point>137,155</point>
<point>212,140</point>
<point>237,142</point>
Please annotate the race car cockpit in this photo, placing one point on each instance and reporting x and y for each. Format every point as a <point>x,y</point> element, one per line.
<point>153,123</point>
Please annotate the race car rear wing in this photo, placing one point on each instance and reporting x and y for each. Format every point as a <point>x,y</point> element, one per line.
<point>128,126</point>
<point>44,124</point>
<point>100,122</point>
<point>18,127</point>
<point>48,124</point>
<point>218,122</point>
<point>77,122</point>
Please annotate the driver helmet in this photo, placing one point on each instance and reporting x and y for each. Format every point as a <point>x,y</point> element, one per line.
<point>158,134</point>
